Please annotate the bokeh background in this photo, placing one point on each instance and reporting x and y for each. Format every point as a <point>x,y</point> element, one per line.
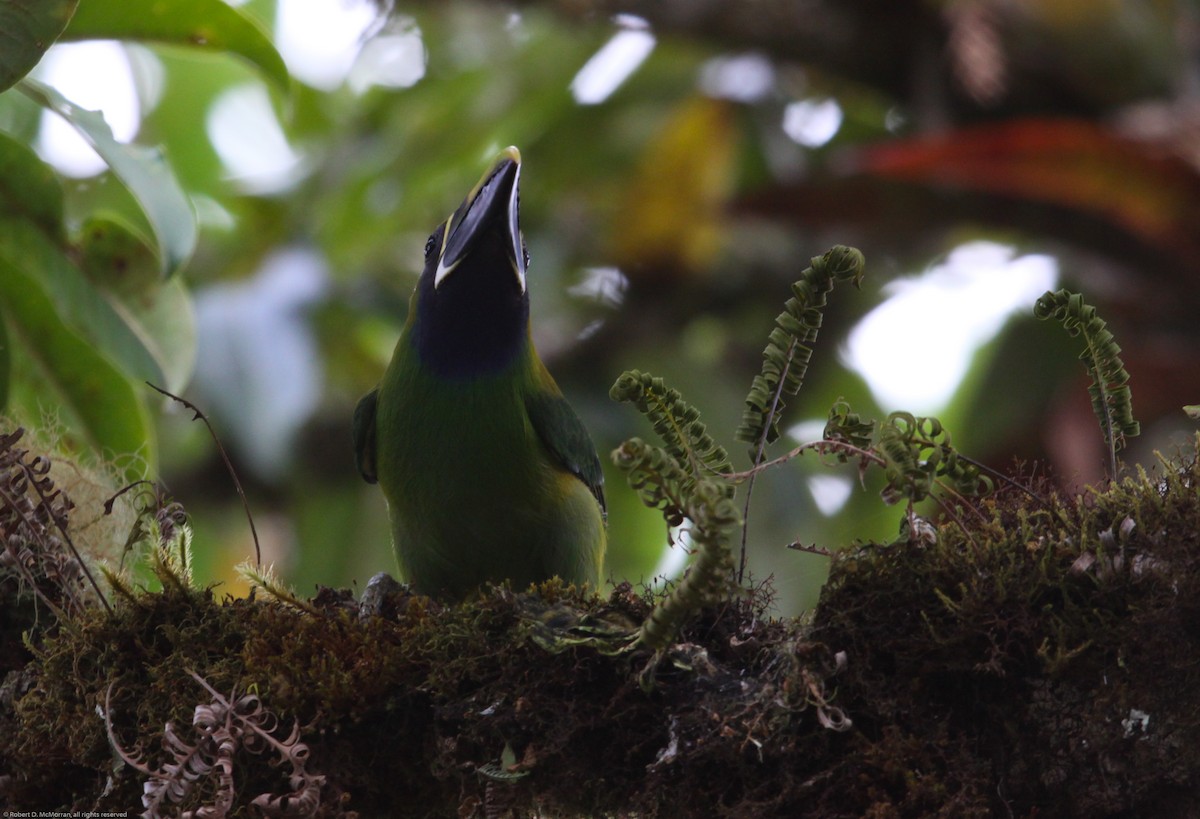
<point>683,162</point>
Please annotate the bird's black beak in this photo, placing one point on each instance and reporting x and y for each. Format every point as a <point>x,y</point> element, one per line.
<point>493,202</point>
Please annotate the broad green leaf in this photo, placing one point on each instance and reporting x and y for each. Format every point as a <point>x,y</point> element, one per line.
<point>20,118</point>
<point>28,188</point>
<point>207,24</point>
<point>144,171</point>
<point>119,261</point>
<point>27,29</point>
<point>28,254</point>
<point>115,256</point>
<point>85,384</point>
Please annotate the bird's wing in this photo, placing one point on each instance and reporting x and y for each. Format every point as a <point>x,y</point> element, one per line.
<point>564,435</point>
<point>364,436</point>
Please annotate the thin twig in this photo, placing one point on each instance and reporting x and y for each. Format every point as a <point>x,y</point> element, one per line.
<point>200,416</point>
<point>762,445</point>
<point>797,546</point>
<point>1010,481</point>
<point>821,446</point>
<point>946,510</point>
<point>949,489</point>
<point>108,504</point>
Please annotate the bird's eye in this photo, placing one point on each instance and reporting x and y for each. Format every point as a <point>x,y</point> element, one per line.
<point>430,244</point>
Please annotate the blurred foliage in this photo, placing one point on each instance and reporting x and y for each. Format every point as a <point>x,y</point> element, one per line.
<point>1051,126</point>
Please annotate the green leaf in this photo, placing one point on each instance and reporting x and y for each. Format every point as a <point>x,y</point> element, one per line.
<point>26,252</point>
<point>144,171</point>
<point>27,29</point>
<point>206,24</point>
<point>115,256</point>
<point>120,262</point>
<point>28,187</point>
<point>81,380</point>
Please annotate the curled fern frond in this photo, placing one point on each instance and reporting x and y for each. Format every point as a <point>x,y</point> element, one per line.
<point>908,475</point>
<point>847,427</point>
<point>662,484</point>
<point>712,514</point>
<point>788,350</point>
<point>917,452</point>
<point>656,477</point>
<point>1112,401</point>
<point>677,423</point>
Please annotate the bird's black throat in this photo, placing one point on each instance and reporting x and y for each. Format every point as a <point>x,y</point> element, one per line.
<point>475,322</point>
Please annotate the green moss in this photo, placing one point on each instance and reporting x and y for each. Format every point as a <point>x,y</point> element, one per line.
<point>1039,661</point>
<point>1041,635</point>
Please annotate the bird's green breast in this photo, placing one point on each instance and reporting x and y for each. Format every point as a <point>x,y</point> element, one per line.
<point>473,493</point>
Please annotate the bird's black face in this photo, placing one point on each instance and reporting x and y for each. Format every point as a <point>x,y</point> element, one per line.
<point>472,309</point>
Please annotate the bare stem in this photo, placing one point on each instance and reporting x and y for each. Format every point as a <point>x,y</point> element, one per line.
<point>200,416</point>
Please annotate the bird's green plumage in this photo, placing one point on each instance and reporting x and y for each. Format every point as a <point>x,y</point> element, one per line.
<point>488,472</point>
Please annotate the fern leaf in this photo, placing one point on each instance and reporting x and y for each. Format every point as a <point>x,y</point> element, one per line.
<point>662,484</point>
<point>788,350</point>
<point>847,427</point>
<point>677,423</point>
<point>1112,400</point>
<point>917,452</point>
<point>656,477</point>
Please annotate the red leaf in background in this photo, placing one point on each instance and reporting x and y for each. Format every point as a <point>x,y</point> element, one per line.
<point>1135,185</point>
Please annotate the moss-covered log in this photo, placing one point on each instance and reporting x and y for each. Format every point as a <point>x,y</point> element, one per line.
<point>1042,661</point>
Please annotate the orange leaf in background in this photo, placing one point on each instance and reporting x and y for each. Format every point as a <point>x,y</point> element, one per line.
<point>1134,185</point>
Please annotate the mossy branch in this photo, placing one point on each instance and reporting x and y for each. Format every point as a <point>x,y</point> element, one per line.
<point>1112,401</point>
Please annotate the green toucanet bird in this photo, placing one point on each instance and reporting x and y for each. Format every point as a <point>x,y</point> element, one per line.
<point>488,473</point>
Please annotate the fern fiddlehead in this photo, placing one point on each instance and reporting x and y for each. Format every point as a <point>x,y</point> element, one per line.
<point>1112,400</point>
<point>677,423</point>
<point>788,350</point>
<point>679,480</point>
<point>786,357</point>
<point>663,484</point>
<point>847,427</point>
<point>918,452</point>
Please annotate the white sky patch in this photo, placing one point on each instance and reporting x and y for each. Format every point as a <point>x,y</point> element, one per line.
<point>250,141</point>
<point>390,61</point>
<point>914,349</point>
<point>830,492</point>
<point>803,432</point>
<point>674,558</point>
<point>321,39</point>
<point>741,77</point>
<point>606,285</point>
<point>96,76</point>
<point>614,62</point>
<point>812,122</point>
